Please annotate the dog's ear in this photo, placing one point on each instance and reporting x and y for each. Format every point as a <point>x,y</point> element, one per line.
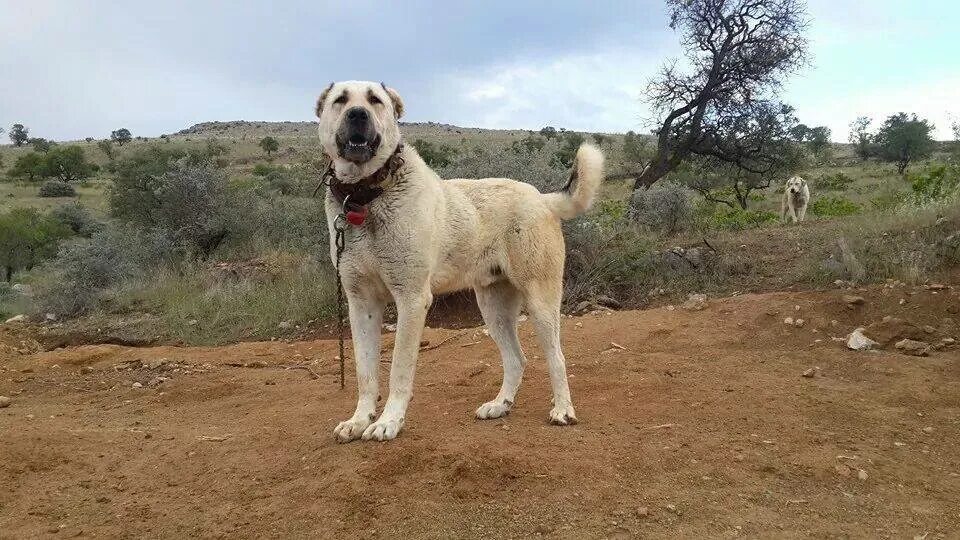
<point>395,98</point>
<point>322,99</point>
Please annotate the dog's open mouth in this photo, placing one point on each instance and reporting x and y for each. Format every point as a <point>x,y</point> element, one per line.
<point>358,147</point>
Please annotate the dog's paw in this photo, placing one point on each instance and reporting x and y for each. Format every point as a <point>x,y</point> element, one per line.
<point>384,429</point>
<point>563,415</point>
<point>494,409</point>
<point>350,430</point>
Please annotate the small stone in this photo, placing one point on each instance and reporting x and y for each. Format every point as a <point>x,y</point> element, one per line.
<point>788,321</point>
<point>5,402</point>
<point>928,429</point>
<point>903,301</point>
<point>810,373</point>
<point>157,364</point>
<point>862,474</point>
<point>859,342</point>
<point>285,325</point>
<point>424,342</point>
<point>842,470</point>
<point>948,341</point>
<point>86,369</point>
<point>853,300</point>
<point>672,508</point>
<point>695,302</point>
<point>193,322</point>
<point>913,347</point>
<point>50,317</point>
<point>137,385</point>
<point>929,329</point>
<point>257,364</point>
<point>796,307</point>
<point>390,327</point>
<point>643,512</point>
<point>17,318</point>
<point>799,323</point>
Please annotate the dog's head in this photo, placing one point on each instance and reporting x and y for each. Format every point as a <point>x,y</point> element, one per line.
<point>358,126</point>
<point>795,185</point>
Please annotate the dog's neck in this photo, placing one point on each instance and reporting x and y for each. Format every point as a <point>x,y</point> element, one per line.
<point>365,190</point>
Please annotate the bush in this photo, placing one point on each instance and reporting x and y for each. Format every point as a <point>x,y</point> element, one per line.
<point>29,166</point>
<point>833,182</point>
<point>565,155</point>
<point>833,207</point>
<point>262,169</point>
<point>664,207</point>
<point>84,269</point>
<point>56,188</point>
<point>27,237</point>
<point>889,198</point>
<point>496,162</point>
<point>67,163</point>
<point>77,218</point>
<point>603,259</point>
<point>435,155</point>
<point>935,183</point>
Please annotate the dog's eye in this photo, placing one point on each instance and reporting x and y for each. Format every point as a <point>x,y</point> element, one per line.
<point>340,100</point>
<point>374,100</point>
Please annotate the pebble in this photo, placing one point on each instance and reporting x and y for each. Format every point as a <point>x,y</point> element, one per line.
<point>86,369</point>
<point>788,321</point>
<point>810,373</point>
<point>137,385</point>
<point>913,347</point>
<point>862,474</point>
<point>842,470</point>
<point>5,402</point>
<point>853,300</point>
<point>799,323</point>
<point>643,512</point>
<point>928,429</point>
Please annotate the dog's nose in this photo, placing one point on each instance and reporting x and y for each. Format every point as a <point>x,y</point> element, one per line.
<point>357,114</point>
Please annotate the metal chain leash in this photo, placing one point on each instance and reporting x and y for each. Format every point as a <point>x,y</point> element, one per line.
<point>340,241</point>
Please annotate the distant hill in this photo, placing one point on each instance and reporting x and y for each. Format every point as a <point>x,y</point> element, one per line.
<point>244,128</point>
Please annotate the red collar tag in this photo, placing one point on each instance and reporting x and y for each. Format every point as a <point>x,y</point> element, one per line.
<point>358,216</point>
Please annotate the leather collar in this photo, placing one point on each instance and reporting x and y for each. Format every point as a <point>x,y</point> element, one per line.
<point>364,191</point>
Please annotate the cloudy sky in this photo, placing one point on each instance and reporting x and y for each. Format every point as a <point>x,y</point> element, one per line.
<point>77,68</point>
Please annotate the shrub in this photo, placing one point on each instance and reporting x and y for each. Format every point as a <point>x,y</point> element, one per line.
<point>935,183</point>
<point>533,168</point>
<point>262,169</point>
<point>888,198</point>
<point>435,155</point>
<point>664,207</point>
<point>67,163</point>
<point>76,216</point>
<point>56,188</point>
<point>833,182</point>
<point>29,166</point>
<point>269,145</point>
<point>833,207</point>
<point>26,238</point>
<point>602,259</point>
<point>565,155</point>
<point>84,269</point>
<point>131,195</point>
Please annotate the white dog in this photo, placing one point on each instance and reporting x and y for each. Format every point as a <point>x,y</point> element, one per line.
<point>796,197</point>
<point>410,235</point>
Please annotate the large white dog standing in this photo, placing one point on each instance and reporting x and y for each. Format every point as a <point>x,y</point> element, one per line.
<point>796,198</point>
<point>420,236</point>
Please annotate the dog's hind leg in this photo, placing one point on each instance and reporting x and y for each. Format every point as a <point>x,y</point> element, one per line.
<point>500,305</point>
<point>411,314</point>
<point>366,316</point>
<point>543,305</point>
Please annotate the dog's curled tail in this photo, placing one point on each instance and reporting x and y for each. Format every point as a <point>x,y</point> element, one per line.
<point>585,178</point>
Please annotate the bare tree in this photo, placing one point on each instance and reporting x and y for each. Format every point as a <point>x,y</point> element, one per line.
<point>739,51</point>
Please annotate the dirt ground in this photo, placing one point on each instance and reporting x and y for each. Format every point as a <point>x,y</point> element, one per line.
<point>702,426</point>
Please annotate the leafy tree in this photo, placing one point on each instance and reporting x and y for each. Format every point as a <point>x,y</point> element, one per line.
<point>739,52</point>
<point>29,166</point>
<point>800,132</point>
<point>818,140</point>
<point>106,146</point>
<point>121,136</point>
<point>68,163</point>
<point>132,194</point>
<point>903,139</point>
<point>40,144</point>
<point>269,145</point>
<point>548,132</point>
<point>861,138</point>
<point>634,147</point>
<point>599,138</point>
<point>26,238</point>
<point>756,149</point>
<point>19,134</point>
<point>568,149</point>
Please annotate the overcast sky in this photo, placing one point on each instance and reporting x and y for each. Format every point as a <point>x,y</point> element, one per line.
<point>77,68</point>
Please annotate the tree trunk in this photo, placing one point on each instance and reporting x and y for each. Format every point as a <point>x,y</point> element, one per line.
<point>9,273</point>
<point>649,176</point>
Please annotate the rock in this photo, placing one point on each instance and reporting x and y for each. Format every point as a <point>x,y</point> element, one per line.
<point>257,364</point>
<point>810,373</point>
<point>928,430</point>
<point>643,512</point>
<point>285,325</point>
<point>695,302</point>
<point>390,327</point>
<point>799,323</point>
<point>137,385</point>
<point>86,369</point>
<point>948,341</point>
<point>862,474</point>
<point>672,508</point>
<point>583,306</point>
<point>913,347</point>
<point>842,470</point>
<point>788,321</point>
<point>17,318</point>
<point>853,300</point>
<point>892,329</point>
<point>859,342</point>
<point>157,364</point>
<point>611,303</point>
<point>51,317</point>
<point>157,381</point>
<point>5,402</point>
<point>193,322</point>
<point>935,287</point>
<point>929,329</point>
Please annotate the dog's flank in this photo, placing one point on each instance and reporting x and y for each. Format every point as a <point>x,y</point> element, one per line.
<point>585,178</point>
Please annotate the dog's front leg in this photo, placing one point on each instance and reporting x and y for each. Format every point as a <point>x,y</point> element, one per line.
<point>411,314</point>
<point>366,316</point>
